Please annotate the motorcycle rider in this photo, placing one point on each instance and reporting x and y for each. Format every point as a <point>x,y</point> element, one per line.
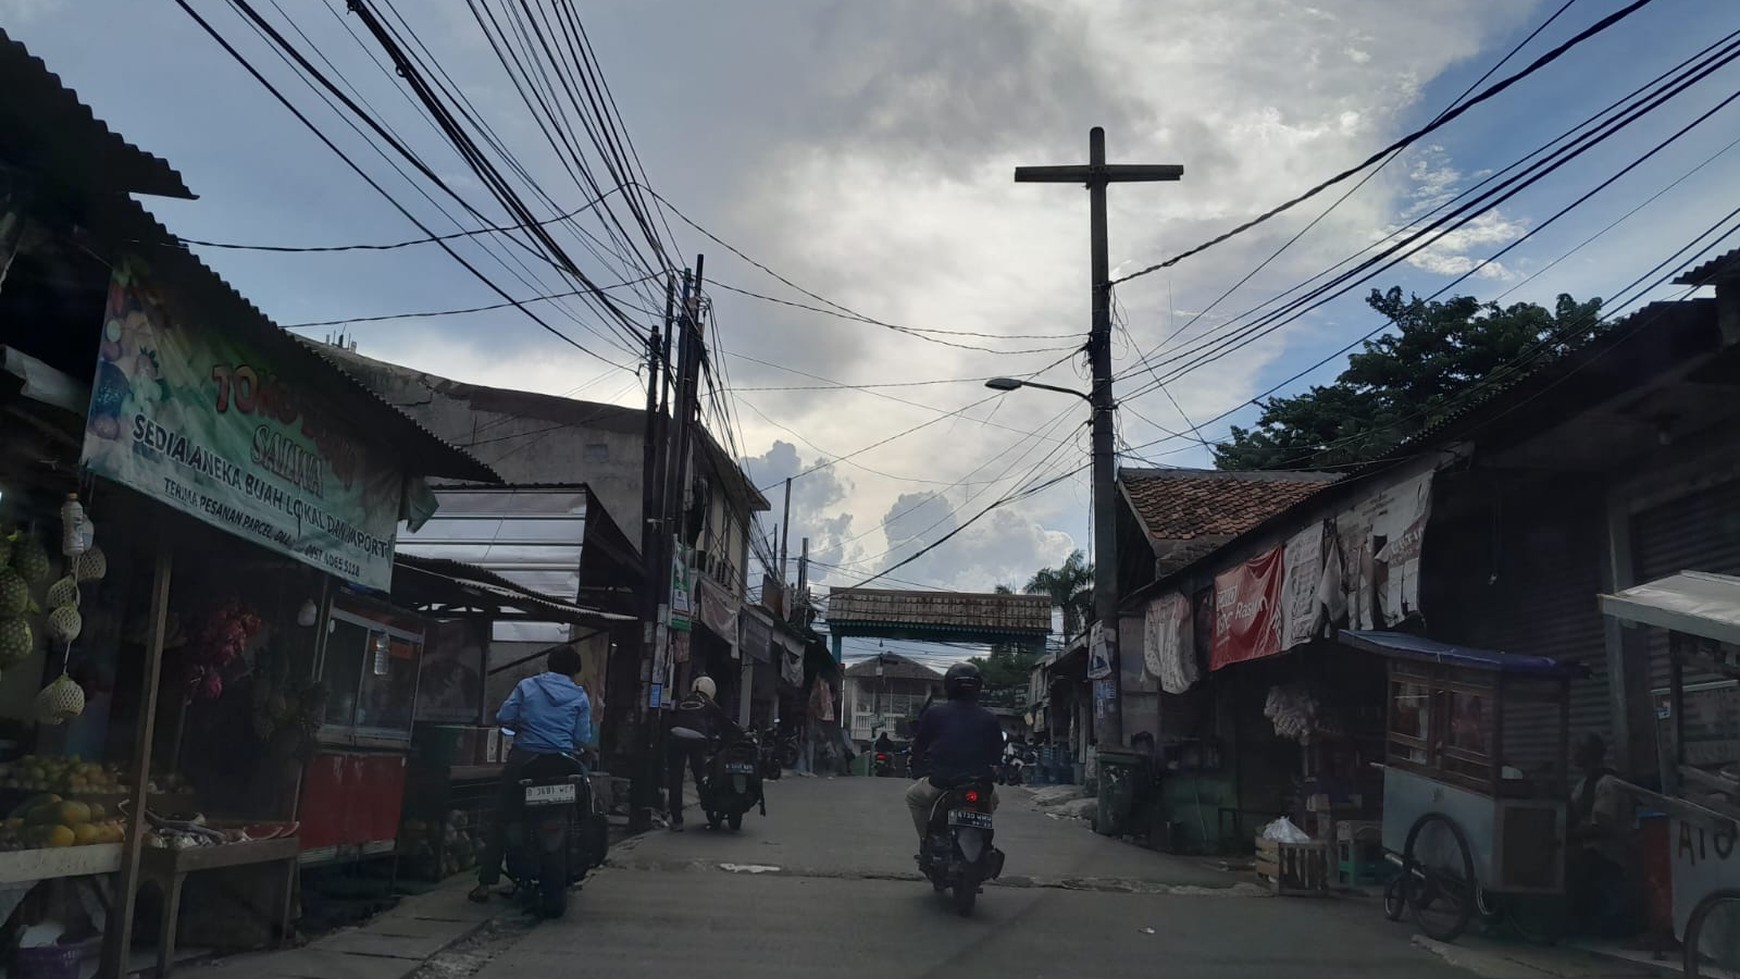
<point>956,738</point>
<point>697,722</point>
<point>549,714</point>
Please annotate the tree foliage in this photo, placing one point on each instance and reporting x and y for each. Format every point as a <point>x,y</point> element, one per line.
<point>1070,588</point>
<point>1405,381</point>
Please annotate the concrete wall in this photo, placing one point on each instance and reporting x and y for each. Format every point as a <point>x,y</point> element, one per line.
<point>522,438</point>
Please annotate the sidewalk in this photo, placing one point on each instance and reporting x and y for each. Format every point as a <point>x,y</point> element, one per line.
<point>391,945</point>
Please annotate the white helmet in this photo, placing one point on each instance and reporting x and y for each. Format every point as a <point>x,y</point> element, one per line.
<point>703,685</point>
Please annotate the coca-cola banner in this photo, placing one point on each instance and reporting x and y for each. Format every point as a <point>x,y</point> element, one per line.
<point>1247,610</point>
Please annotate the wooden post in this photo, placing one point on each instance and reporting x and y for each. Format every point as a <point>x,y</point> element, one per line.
<point>118,935</point>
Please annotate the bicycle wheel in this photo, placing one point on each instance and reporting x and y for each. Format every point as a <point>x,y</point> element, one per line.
<point>1395,904</point>
<point>1712,941</point>
<point>1438,870</point>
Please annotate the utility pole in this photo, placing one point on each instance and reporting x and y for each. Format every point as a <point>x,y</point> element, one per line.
<point>785,535</point>
<point>1109,726</point>
<point>657,572</point>
<point>663,500</point>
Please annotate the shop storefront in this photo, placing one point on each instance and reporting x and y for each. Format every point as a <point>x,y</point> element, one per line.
<point>197,515</point>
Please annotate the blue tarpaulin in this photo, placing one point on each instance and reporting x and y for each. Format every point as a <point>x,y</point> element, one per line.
<point>1403,646</point>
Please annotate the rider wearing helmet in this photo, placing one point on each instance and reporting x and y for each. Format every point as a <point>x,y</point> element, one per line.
<point>955,738</point>
<point>696,722</point>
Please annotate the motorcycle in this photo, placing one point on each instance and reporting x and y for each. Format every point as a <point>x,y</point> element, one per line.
<point>771,768</point>
<point>882,765</point>
<point>1013,770</point>
<point>958,853</point>
<point>556,835</point>
<point>732,785</point>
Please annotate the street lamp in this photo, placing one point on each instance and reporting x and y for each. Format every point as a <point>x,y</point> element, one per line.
<point>1013,383</point>
<point>1105,491</point>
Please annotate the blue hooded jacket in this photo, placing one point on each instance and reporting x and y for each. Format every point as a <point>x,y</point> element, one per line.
<point>549,713</point>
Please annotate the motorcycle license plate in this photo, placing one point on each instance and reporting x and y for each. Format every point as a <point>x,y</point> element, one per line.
<point>740,768</point>
<point>970,817</point>
<point>550,795</point>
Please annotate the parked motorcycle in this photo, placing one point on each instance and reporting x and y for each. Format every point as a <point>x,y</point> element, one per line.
<point>958,853</point>
<point>557,834</point>
<point>732,785</point>
<point>1013,770</point>
<point>769,754</point>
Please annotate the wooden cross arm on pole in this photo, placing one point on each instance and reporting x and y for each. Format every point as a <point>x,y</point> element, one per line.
<point>1111,173</point>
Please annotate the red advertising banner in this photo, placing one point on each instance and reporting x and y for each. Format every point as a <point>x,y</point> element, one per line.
<point>1247,611</point>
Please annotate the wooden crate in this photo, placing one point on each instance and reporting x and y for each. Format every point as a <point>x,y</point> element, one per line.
<point>1294,868</point>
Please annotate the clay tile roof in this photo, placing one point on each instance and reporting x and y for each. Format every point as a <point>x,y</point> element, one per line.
<point>1210,506</point>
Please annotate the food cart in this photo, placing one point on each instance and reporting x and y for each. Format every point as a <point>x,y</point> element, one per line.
<point>1475,789</point>
<point>1699,748</point>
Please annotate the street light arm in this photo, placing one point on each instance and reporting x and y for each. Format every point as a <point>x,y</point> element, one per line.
<point>1012,383</point>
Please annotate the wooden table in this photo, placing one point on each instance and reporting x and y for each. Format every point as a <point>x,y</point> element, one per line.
<point>169,869</point>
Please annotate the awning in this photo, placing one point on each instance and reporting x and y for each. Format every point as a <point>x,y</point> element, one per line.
<point>449,588</point>
<point>1398,645</point>
<point>1695,602</point>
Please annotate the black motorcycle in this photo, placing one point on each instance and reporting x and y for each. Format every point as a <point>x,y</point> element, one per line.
<point>958,853</point>
<point>732,785</point>
<point>769,754</point>
<point>556,836</point>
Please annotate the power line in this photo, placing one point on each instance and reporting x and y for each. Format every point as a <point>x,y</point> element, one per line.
<point>1436,124</point>
<point>309,124</point>
<point>1210,351</point>
<point>855,318</point>
<point>931,335</point>
<point>1373,172</point>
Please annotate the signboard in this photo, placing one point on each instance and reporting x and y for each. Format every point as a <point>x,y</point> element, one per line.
<point>1166,643</point>
<point>757,635</point>
<point>1247,611</point>
<point>682,608</point>
<point>1299,586</point>
<point>450,684</point>
<point>1100,642</point>
<point>191,415</point>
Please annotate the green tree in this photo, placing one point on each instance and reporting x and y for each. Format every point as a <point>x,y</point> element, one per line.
<point>1071,588</point>
<point>1405,381</point>
<point>1006,669</point>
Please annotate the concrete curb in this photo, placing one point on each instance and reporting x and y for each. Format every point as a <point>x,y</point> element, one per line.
<point>1114,885</point>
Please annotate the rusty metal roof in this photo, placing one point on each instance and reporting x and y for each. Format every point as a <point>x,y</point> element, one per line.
<point>44,128</point>
<point>894,667</point>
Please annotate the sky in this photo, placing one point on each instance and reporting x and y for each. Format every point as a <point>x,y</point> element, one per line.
<point>864,152</point>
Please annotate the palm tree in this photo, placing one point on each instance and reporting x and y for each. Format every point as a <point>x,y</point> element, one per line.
<point>1071,588</point>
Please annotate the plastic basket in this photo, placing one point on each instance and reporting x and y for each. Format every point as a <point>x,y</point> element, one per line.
<point>48,962</point>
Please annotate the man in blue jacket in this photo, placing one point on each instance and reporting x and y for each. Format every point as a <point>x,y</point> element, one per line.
<point>549,714</point>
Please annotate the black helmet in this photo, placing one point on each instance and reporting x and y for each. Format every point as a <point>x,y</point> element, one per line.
<point>963,682</point>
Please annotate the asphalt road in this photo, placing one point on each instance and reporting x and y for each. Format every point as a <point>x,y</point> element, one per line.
<point>820,887</point>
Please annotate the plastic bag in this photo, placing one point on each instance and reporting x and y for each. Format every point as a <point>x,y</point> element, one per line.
<point>1283,831</point>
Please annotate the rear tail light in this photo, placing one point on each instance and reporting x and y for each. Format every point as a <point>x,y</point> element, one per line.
<point>972,795</point>
<point>881,757</point>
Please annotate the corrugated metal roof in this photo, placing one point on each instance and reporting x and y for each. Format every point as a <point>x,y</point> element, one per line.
<point>479,584</point>
<point>1723,266</point>
<point>46,129</point>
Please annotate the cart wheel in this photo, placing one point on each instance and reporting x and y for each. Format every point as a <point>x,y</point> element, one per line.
<point>1438,876</point>
<point>1395,905</point>
<point>1710,946</point>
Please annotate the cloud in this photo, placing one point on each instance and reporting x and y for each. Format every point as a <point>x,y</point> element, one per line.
<point>1002,547</point>
<point>818,501</point>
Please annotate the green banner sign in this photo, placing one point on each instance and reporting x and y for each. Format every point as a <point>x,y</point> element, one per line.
<point>195,417</point>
